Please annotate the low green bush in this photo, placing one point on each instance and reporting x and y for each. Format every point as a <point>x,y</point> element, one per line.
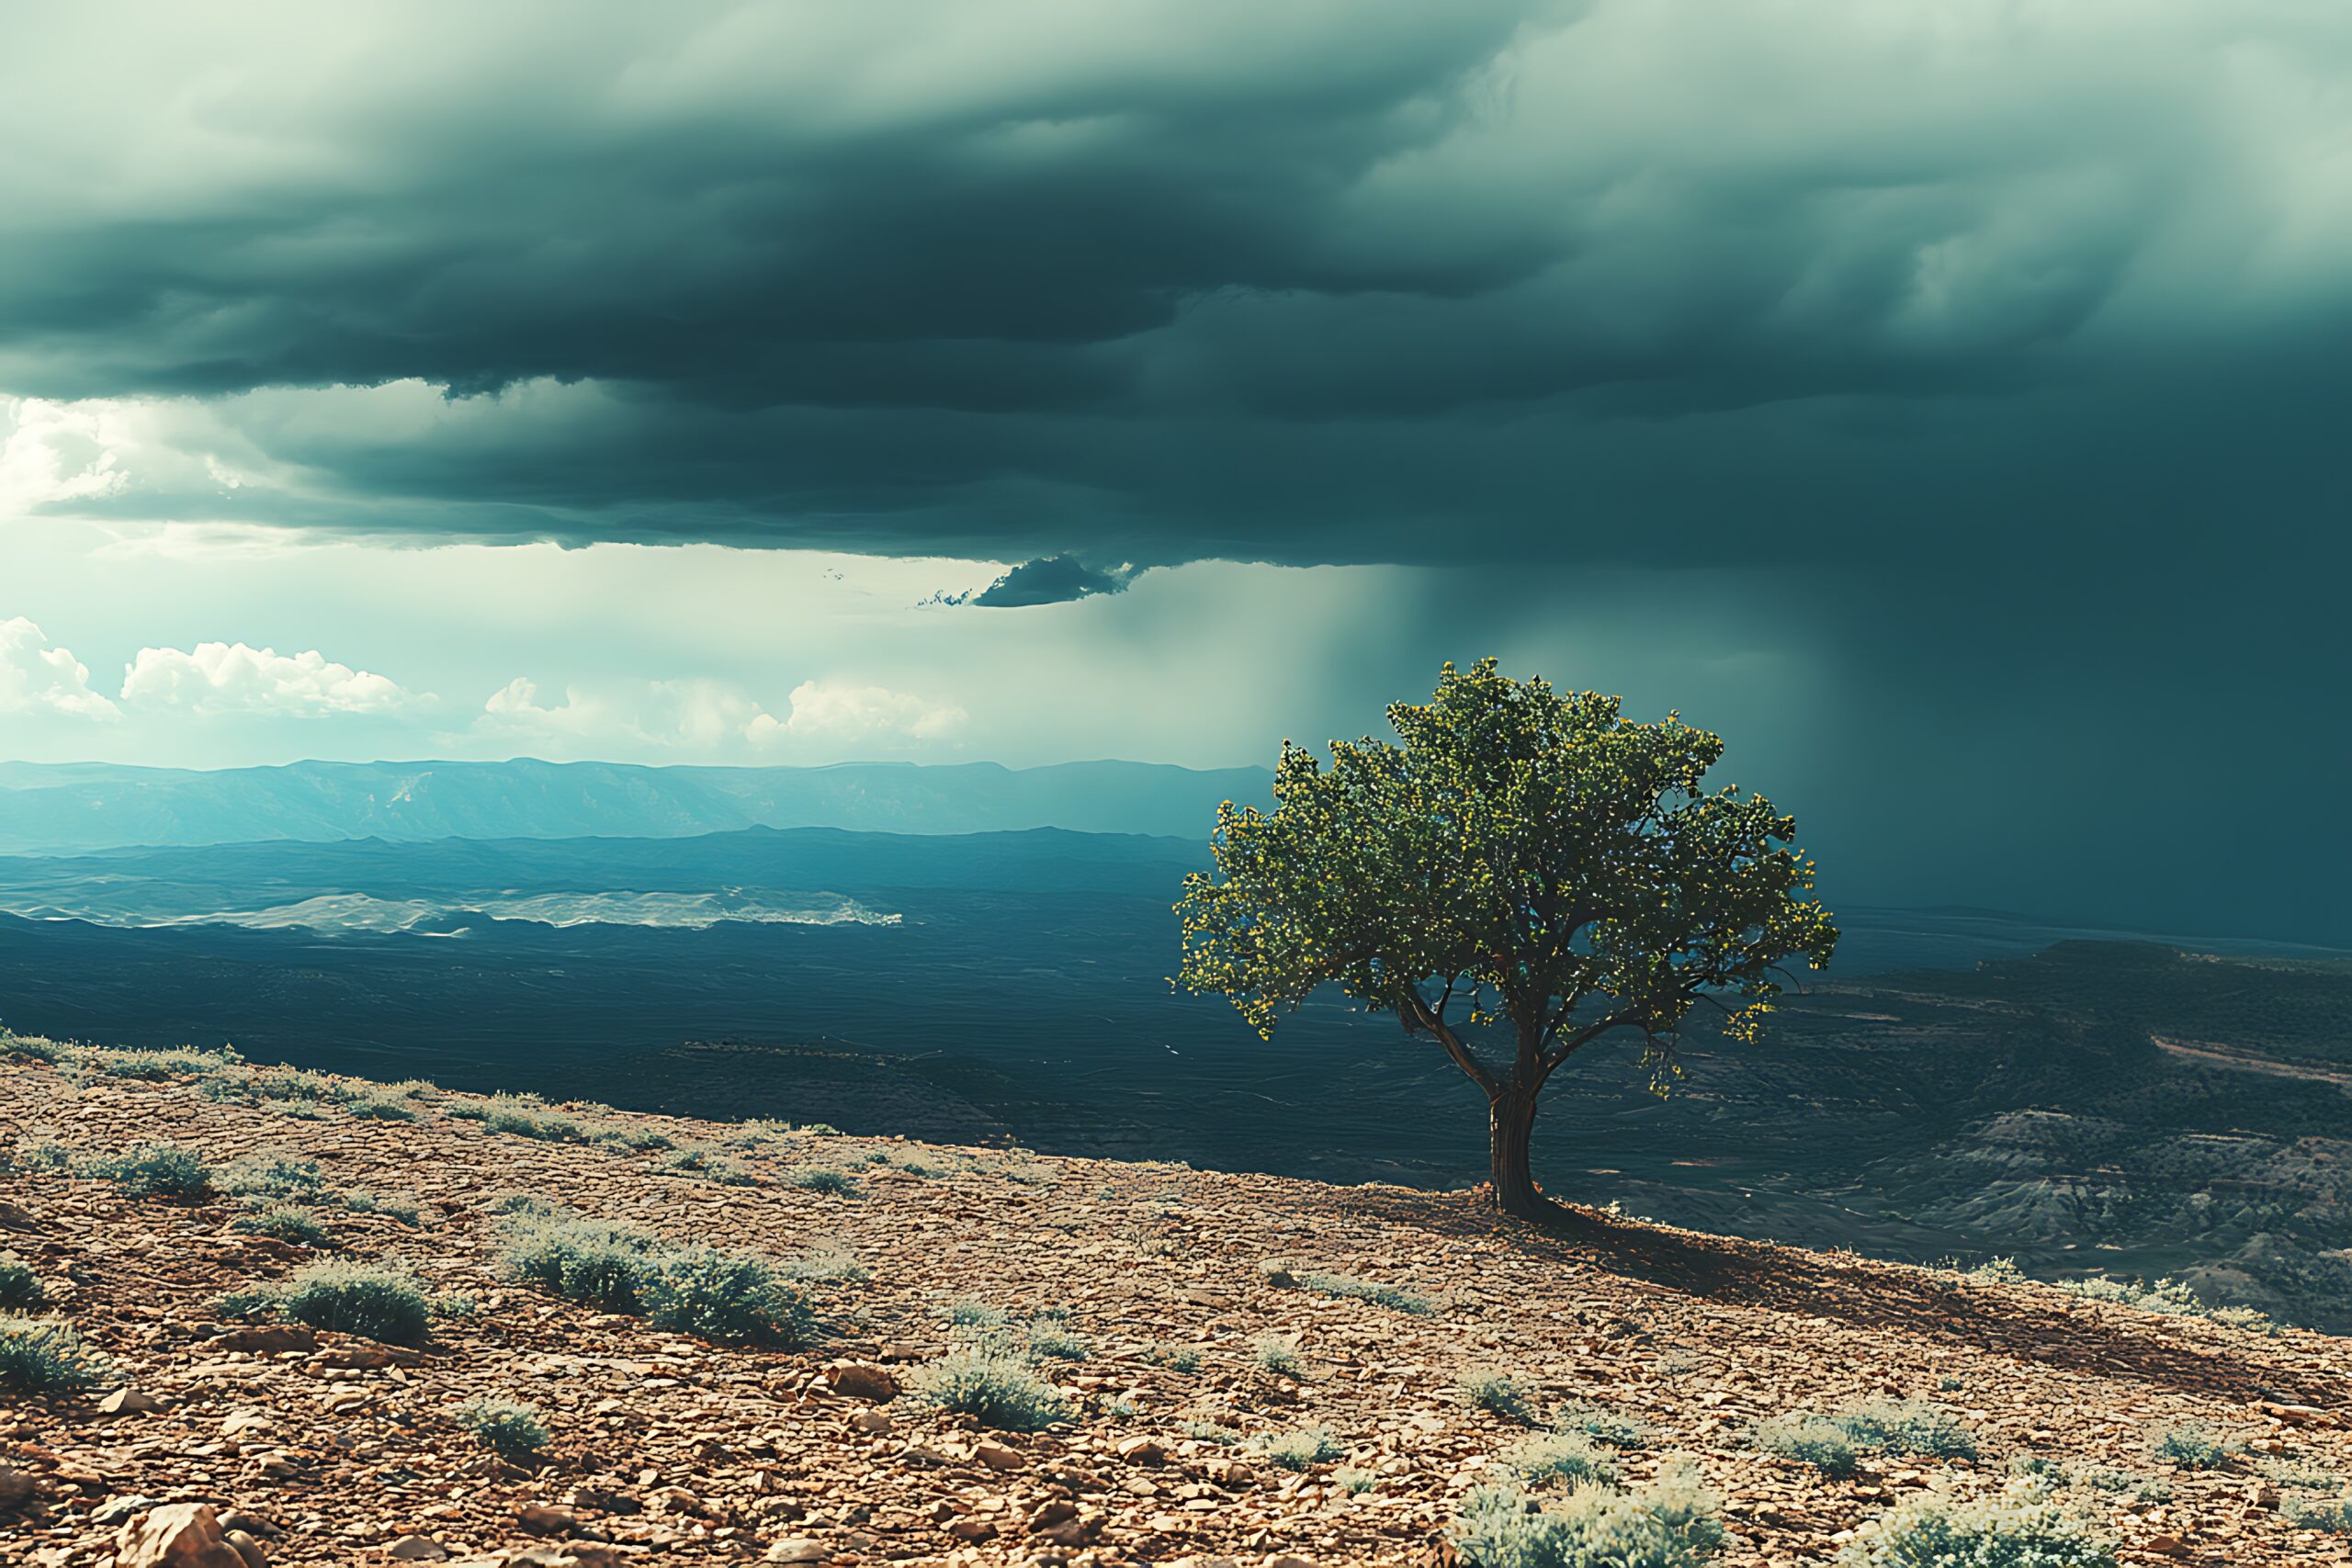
<point>1602,1425</point>
<point>1498,1394</point>
<point>2023,1527</point>
<point>1303,1449</point>
<point>1909,1427</point>
<point>2333,1514</point>
<point>1349,1289</point>
<point>590,1261</point>
<point>371,1301</point>
<point>1811,1440</point>
<point>512,1431</point>
<point>2192,1445</point>
<point>1674,1523</point>
<point>21,1288</point>
<point>157,1170</point>
<point>729,1297</point>
<point>269,1176</point>
<point>1277,1354</point>
<point>825,1263</point>
<point>1053,1340</point>
<point>47,1355</point>
<point>994,1388</point>
<point>1559,1456</point>
<point>819,1179</point>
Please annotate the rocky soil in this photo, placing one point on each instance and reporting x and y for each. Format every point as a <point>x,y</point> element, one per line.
<point>297,1446</point>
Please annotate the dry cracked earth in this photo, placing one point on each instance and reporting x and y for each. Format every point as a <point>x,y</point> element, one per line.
<point>325,1449</point>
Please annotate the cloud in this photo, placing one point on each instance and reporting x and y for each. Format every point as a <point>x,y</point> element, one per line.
<point>219,677</point>
<point>35,677</point>
<point>696,715</point>
<point>839,711</point>
<point>1052,579</point>
<point>52,453</point>
<point>1648,281</point>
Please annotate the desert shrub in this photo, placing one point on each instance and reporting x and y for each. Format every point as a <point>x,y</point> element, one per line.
<point>2286,1471</point>
<point>590,1261</point>
<point>825,1263</point>
<point>1497,1394</point>
<point>47,1355</point>
<point>35,1048</point>
<point>1389,1296</point>
<point>1209,1432</point>
<point>2192,1445</point>
<point>246,1306</point>
<point>376,1108</point>
<point>371,1301</point>
<point>2173,1298</point>
<point>158,1067</point>
<point>1303,1449</point>
<point>1911,1426</point>
<point>1053,1340</point>
<point>710,1165</point>
<point>1601,1426</point>
<point>21,1288</point>
<point>527,1119</point>
<point>402,1209</point>
<point>1355,1481</point>
<point>819,1179</point>
<point>45,1154</point>
<point>1679,1363</point>
<point>977,1315</point>
<point>286,1222</point>
<point>1277,1354</point>
<point>2023,1527</point>
<point>507,1428</point>
<point>268,1176</point>
<point>1674,1524</point>
<point>1175,1358</point>
<point>157,1170</point>
<point>732,1297</point>
<point>993,1388</point>
<point>292,1083</point>
<point>2333,1514</point>
<point>642,1140</point>
<point>1813,1440</point>
<point>1559,1456</point>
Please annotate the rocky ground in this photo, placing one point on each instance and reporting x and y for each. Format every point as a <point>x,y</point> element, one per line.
<point>317,1448</point>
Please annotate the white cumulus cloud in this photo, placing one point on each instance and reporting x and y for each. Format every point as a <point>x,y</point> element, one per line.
<point>698,714</point>
<point>220,677</point>
<point>38,678</point>
<point>58,452</point>
<point>839,711</point>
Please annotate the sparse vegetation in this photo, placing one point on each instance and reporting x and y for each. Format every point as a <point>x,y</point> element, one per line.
<point>510,1429</point>
<point>822,1178</point>
<point>2022,1526</point>
<point>825,1263</point>
<point>584,1260</point>
<point>709,1164</point>
<point>1497,1394</point>
<point>1601,1426</point>
<point>1277,1354</point>
<point>1812,1439</point>
<point>1674,1522</point>
<point>1347,1287</point>
<point>157,1170</point>
<point>1559,1456</point>
<point>369,1300</point>
<point>1209,1432</point>
<point>1911,1426</point>
<point>1057,1342</point>
<point>47,1355</point>
<point>1303,1449</point>
<point>2333,1514</point>
<point>527,1118</point>
<point>728,1297</point>
<point>21,1288</point>
<point>2192,1445</point>
<point>993,1388</point>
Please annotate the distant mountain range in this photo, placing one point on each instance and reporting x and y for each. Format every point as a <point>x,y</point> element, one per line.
<point>67,809</point>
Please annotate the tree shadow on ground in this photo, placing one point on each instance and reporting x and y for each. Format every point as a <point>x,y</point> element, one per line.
<point>2021,1322</point>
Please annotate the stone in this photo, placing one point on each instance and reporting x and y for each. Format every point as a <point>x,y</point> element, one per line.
<point>177,1535</point>
<point>247,1548</point>
<point>971,1529</point>
<point>796,1549</point>
<point>540,1519</point>
<point>16,1487</point>
<point>417,1549</point>
<point>996,1456</point>
<point>129,1401</point>
<point>1276,1275</point>
<point>1142,1450</point>
<point>117,1509</point>
<point>862,1379</point>
<point>873,1423</point>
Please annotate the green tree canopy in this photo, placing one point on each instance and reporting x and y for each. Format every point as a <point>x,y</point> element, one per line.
<point>1523,874</point>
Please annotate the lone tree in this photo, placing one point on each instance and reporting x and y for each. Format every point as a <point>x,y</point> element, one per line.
<point>1528,871</point>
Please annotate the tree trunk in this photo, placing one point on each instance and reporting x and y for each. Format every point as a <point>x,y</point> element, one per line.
<point>1511,1120</point>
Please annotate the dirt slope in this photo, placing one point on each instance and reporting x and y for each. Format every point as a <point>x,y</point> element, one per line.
<point>340,1451</point>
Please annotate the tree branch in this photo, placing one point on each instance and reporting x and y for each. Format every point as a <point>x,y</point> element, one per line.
<point>1425,1017</point>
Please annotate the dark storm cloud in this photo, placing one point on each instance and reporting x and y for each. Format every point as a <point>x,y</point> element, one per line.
<point>1054,580</point>
<point>1637,280</point>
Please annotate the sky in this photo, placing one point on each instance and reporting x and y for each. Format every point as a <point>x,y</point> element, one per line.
<point>1946,403</point>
